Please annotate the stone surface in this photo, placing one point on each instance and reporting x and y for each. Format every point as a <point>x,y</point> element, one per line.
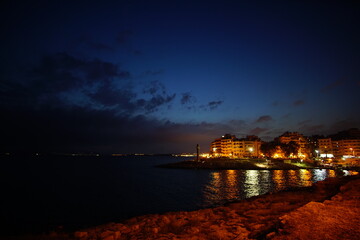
<point>338,218</point>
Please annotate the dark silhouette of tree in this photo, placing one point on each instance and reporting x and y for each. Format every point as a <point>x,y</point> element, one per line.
<point>269,148</point>
<point>290,148</point>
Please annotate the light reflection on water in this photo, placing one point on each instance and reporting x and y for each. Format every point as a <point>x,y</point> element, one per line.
<point>230,185</point>
<point>251,183</point>
<point>73,193</point>
<point>319,174</point>
<point>305,178</point>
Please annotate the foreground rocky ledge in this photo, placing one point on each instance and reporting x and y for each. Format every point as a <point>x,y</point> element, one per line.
<point>329,209</point>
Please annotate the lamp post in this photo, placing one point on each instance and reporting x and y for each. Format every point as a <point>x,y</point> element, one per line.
<point>351,149</point>
<point>251,150</point>
<point>317,153</point>
<point>197,152</point>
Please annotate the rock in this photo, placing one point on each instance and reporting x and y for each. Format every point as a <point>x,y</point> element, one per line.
<point>111,237</point>
<point>135,227</point>
<point>270,235</point>
<point>179,222</point>
<point>106,234</point>
<point>117,235</point>
<point>337,197</point>
<point>155,230</point>
<point>164,220</point>
<point>193,230</point>
<point>319,221</point>
<point>80,234</point>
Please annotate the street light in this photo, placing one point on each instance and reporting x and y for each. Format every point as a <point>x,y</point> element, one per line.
<point>251,150</point>
<point>351,149</point>
<point>317,153</point>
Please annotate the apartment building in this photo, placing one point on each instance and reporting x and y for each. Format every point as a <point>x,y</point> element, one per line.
<point>299,139</point>
<point>339,148</point>
<point>326,147</point>
<point>230,146</point>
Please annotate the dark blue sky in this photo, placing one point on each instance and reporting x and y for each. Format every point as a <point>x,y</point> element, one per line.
<point>162,76</point>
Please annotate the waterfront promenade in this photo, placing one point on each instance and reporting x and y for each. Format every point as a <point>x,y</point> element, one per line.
<point>248,164</point>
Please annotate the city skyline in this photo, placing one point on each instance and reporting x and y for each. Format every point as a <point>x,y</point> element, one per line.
<point>342,145</point>
<point>162,76</point>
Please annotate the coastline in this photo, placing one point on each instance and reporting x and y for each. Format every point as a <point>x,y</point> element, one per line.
<point>329,209</point>
<point>246,164</point>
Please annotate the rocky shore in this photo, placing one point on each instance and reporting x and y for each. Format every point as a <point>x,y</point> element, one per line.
<point>329,209</point>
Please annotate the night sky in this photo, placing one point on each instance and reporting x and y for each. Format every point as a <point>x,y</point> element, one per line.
<point>162,76</point>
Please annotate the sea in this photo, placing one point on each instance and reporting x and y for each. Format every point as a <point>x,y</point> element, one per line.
<point>44,193</point>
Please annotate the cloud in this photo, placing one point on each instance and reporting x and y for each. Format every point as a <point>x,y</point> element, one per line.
<point>72,104</point>
<point>154,87</point>
<point>62,71</point>
<point>67,103</point>
<point>257,131</point>
<point>265,118</point>
<point>96,83</point>
<point>80,129</point>
<point>335,84</point>
<point>298,102</point>
<point>214,104</point>
<point>187,98</point>
<point>108,95</point>
<point>63,81</point>
<point>158,96</point>
<point>210,106</point>
<point>155,102</point>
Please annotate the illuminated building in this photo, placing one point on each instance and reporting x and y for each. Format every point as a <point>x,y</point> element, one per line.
<point>230,146</point>
<point>224,146</point>
<point>339,148</point>
<point>348,147</point>
<point>325,146</point>
<point>299,139</point>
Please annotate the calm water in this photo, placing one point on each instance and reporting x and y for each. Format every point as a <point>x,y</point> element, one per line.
<point>41,193</point>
